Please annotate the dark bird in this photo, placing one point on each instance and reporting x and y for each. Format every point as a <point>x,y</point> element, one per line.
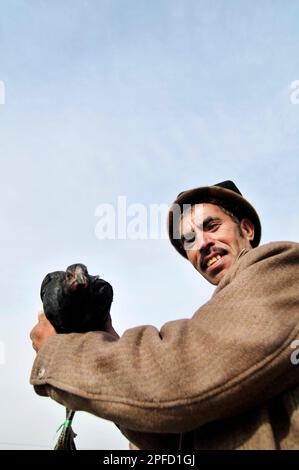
<point>75,302</point>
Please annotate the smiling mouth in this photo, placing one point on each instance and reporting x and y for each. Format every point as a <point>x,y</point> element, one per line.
<point>213,260</point>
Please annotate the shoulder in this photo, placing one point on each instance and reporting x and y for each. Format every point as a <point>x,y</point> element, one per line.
<point>269,262</point>
<point>279,249</point>
<point>270,256</point>
<point>278,246</point>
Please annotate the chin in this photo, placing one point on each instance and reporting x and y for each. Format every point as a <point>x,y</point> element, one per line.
<point>216,279</point>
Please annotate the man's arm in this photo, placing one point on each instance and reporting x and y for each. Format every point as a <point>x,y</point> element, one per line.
<point>232,354</point>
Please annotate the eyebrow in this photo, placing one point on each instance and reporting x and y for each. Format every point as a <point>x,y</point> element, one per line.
<point>202,226</point>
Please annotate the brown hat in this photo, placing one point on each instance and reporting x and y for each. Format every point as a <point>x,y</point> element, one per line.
<point>228,196</point>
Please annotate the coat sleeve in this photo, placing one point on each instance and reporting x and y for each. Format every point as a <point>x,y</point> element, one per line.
<point>151,441</point>
<point>234,353</point>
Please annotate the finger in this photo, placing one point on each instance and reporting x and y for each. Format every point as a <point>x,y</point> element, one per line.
<point>41,315</point>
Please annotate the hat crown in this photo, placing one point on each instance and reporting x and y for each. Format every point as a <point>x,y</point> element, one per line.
<point>227,184</point>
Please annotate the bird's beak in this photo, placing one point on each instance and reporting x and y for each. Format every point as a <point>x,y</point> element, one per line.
<point>80,278</point>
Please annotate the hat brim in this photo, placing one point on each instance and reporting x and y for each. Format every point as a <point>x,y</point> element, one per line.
<point>231,200</point>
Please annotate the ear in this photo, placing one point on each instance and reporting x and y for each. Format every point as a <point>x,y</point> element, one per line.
<point>247,228</point>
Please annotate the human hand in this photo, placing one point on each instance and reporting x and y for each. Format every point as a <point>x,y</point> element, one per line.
<point>41,331</point>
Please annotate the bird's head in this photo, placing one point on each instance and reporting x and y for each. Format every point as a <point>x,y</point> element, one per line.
<point>77,276</point>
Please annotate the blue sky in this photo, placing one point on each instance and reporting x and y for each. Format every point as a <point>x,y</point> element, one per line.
<point>140,99</point>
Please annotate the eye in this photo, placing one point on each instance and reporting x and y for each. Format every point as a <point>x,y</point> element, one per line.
<point>188,242</point>
<point>213,226</point>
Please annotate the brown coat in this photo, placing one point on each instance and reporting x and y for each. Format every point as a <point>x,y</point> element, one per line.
<point>223,378</point>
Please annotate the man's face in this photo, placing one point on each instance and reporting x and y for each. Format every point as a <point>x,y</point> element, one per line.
<point>212,240</point>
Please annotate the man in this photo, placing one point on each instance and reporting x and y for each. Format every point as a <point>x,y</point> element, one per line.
<point>223,379</point>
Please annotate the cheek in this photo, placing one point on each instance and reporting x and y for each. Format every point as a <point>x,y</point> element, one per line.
<point>191,255</point>
<point>229,237</point>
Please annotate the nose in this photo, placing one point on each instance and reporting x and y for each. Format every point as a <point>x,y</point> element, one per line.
<point>204,242</point>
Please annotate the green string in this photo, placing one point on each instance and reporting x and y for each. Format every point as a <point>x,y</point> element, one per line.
<point>66,424</point>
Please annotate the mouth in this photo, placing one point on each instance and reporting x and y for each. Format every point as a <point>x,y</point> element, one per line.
<point>80,279</point>
<point>212,261</point>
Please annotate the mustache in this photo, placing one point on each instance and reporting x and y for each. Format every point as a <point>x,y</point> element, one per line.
<point>210,252</point>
